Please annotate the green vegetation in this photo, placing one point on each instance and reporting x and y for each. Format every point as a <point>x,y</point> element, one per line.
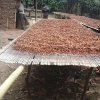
<point>90,8</point>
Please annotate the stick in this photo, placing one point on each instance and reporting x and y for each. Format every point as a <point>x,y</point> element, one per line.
<point>86,82</point>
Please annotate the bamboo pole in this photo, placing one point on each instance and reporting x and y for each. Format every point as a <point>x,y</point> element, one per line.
<point>41,9</point>
<point>35,10</point>
<point>9,81</point>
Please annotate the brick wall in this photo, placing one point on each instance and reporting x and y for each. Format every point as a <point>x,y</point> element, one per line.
<point>7,14</point>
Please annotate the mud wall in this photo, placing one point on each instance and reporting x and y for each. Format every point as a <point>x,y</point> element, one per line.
<point>8,14</point>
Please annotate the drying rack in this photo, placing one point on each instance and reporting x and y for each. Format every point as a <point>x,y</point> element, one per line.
<point>9,55</point>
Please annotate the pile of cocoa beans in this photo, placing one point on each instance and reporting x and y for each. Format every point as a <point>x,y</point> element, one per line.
<point>89,21</point>
<point>51,36</point>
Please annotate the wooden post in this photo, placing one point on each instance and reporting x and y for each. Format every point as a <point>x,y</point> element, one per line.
<point>35,10</point>
<point>41,9</point>
<point>86,82</point>
<point>27,80</point>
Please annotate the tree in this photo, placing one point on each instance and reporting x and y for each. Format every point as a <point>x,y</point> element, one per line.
<point>90,8</point>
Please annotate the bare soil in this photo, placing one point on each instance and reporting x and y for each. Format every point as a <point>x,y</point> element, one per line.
<point>6,69</point>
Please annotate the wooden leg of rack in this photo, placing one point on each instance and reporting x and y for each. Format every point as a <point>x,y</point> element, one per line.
<point>86,83</point>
